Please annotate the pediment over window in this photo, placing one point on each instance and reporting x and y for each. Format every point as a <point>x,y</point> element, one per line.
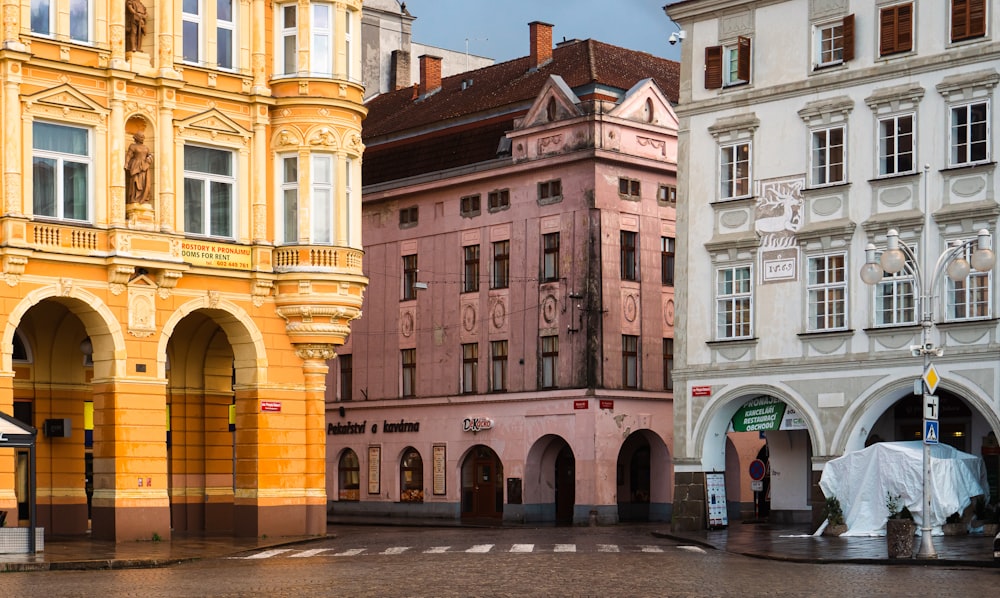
<point>556,101</point>
<point>827,111</point>
<point>966,86</point>
<point>213,122</point>
<point>740,126</point>
<point>896,98</point>
<point>61,98</point>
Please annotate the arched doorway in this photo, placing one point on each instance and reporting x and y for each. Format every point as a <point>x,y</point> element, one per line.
<point>565,475</point>
<point>644,478</point>
<point>549,492</point>
<point>201,451</point>
<point>482,485</point>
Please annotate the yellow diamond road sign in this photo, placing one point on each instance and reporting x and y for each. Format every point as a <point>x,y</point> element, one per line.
<point>931,378</point>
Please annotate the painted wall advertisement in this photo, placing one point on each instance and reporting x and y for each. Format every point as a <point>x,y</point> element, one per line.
<point>766,414</point>
<point>215,255</point>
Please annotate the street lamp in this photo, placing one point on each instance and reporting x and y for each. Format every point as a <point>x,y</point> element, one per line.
<point>899,257</point>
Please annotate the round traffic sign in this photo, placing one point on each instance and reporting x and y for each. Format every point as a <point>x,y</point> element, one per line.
<point>757,470</point>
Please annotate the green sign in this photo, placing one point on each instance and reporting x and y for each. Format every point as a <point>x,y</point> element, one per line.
<point>760,414</point>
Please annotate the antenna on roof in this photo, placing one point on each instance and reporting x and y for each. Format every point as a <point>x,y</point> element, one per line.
<point>475,39</point>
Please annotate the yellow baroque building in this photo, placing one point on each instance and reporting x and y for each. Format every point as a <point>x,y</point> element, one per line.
<point>181,254</point>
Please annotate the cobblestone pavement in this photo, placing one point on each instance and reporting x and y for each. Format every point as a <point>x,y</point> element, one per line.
<point>506,569</point>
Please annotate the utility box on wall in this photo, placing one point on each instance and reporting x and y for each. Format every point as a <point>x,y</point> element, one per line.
<point>57,428</point>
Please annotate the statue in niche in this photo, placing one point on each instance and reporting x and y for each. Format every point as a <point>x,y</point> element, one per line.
<point>135,25</point>
<point>138,161</point>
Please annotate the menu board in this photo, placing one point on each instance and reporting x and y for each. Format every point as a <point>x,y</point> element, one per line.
<point>715,495</point>
<point>440,481</point>
<point>374,469</point>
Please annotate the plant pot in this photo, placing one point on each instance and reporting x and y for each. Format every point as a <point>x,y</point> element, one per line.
<point>899,535</point>
<point>835,529</point>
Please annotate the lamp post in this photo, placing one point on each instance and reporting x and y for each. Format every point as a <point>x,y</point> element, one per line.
<point>899,257</point>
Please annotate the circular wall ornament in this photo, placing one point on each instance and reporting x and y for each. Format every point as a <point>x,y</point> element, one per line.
<point>499,314</point>
<point>668,313</point>
<point>469,318</point>
<point>406,326</point>
<point>631,310</point>
<point>549,309</point>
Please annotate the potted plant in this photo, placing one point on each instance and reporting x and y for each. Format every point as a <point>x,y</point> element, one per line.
<point>834,516</point>
<point>899,528</point>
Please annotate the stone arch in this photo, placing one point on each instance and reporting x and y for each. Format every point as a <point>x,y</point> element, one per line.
<point>862,415</point>
<point>101,324</point>
<point>245,338</point>
<point>715,417</point>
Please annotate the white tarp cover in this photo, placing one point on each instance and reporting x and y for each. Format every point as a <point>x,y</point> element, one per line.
<point>862,479</point>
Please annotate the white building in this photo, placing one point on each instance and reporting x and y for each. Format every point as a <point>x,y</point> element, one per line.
<point>809,129</point>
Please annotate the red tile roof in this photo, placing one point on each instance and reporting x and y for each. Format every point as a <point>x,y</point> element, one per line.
<point>510,86</point>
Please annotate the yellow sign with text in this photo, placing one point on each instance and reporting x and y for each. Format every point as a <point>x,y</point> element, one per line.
<point>216,255</point>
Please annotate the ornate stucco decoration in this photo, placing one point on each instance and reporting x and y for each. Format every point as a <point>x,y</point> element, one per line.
<point>323,136</point>
<point>141,307</point>
<point>118,277</point>
<point>166,281</point>
<point>324,352</point>
<point>261,290</point>
<point>13,268</point>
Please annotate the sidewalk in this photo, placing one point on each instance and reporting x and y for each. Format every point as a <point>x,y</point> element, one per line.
<point>797,545</point>
<point>755,540</point>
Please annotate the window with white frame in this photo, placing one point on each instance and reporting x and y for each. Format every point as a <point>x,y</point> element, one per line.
<point>970,298</point>
<point>827,156</point>
<point>61,164</point>
<point>734,302</point>
<point>287,47</point>
<point>290,199</point>
<point>209,191</point>
<point>321,28</point>
<point>44,21</point>
<point>734,170</point>
<point>834,42</point>
<point>827,293</point>
<point>969,134</point>
<point>896,299</point>
<point>896,136</point>
<point>199,30</point>
<point>322,198</point>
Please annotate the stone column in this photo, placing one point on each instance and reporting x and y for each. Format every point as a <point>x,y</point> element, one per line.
<point>315,368</point>
<point>116,18</point>
<point>116,154</point>
<point>12,134</point>
<point>164,162</point>
<point>165,39</point>
<point>258,190</point>
<point>258,55</point>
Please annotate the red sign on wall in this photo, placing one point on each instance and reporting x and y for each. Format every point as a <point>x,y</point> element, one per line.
<point>273,406</point>
<point>607,404</point>
<point>584,404</point>
<point>701,391</point>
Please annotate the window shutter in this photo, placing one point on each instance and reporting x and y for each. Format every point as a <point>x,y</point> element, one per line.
<point>904,28</point>
<point>968,19</point>
<point>743,59</point>
<point>887,31</point>
<point>713,67</point>
<point>977,18</point>
<point>847,27</point>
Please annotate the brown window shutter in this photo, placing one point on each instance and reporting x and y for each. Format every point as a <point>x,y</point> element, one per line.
<point>713,67</point>
<point>743,59</point>
<point>904,28</point>
<point>847,27</point>
<point>968,19</point>
<point>887,31</point>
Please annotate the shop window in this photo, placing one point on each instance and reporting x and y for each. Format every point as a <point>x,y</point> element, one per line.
<point>411,477</point>
<point>349,476</point>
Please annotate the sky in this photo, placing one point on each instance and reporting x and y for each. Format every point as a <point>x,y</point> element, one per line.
<point>498,29</point>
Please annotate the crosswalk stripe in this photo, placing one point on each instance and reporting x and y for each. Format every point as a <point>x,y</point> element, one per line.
<point>395,550</point>
<point>269,553</point>
<point>308,553</point>
<point>697,549</point>
<point>522,548</point>
<point>565,548</point>
<point>481,548</point>
<point>651,549</point>
<point>437,549</point>
<point>608,548</point>
<point>351,552</point>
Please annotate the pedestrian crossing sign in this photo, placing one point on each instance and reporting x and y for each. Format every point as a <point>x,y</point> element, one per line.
<point>930,432</point>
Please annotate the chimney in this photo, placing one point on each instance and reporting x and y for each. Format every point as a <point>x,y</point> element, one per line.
<point>399,75</point>
<point>430,74</point>
<point>541,43</point>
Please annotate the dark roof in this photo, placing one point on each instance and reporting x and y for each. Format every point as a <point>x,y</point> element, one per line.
<point>511,86</point>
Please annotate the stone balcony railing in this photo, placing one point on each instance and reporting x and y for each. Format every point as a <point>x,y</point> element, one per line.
<point>312,258</point>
